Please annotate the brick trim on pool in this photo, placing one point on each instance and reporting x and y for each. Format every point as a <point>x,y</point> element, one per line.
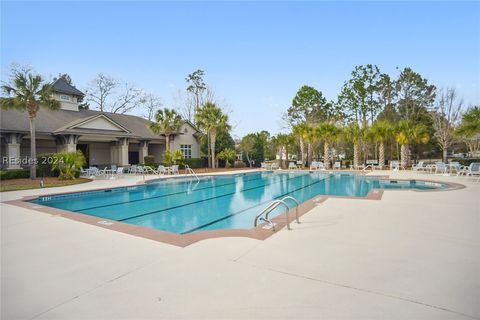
<point>183,240</point>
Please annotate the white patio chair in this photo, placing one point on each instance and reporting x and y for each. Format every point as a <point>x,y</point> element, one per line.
<point>337,165</point>
<point>292,166</point>
<point>314,165</point>
<point>140,170</point>
<point>84,173</point>
<point>454,166</point>
<point>395,165</point>
<point>161,170</point>
<point>132,169</point>
<point>119,172</point>
<point>419,166</point>
<point>175,169</point>
<point>149,170</point>
<point>274,166</point>
<point>440,168</point>
<point>472,170</point>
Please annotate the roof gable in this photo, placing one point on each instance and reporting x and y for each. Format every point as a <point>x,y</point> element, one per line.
<point>96,122</point>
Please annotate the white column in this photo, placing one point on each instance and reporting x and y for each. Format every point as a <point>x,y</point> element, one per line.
<point>123,152</point>
<point>114,153</point>
<point>13,150</point>
<point>143,150</point>
<point>67,142</point>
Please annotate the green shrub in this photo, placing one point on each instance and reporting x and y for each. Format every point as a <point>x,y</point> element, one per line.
<point>227,155</point>
<point>69,164</point>
<point>195,163</point>
<point>44,167</point>
<point>14,174</point>
<point>149,161</point>
<point>170,158</point>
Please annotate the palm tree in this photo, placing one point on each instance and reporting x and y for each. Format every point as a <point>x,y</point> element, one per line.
<point>28,92</point>
<point>354,134</point>
<point>211,118</point>
<point>407,133</point>
<point>300,131</point>
<point>282,141</point>
<point>167,122</point>
<point>327,132</point>
<point>381,131</point>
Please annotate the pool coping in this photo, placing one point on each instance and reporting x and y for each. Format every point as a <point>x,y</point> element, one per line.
<point>182,240</point>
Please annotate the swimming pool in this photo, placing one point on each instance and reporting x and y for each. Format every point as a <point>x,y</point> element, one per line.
<point>185,205</point>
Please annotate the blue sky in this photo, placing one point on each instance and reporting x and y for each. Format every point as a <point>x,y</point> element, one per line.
<point>256,55</point>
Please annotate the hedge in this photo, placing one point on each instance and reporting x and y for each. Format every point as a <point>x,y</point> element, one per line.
<point>195,163</point>
<point>149,161</point>
<point>464,161</point>
<point>44,167</point>
<point>14,174</point>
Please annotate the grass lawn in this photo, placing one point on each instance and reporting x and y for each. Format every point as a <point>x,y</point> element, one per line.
<point>24,184</point>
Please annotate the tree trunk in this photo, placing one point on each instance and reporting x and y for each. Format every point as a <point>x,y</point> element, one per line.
<point>309,153</point>
<point>445,155</point>
<point>404,155</point>
<point>33,150</point>
<point>209,153</point>
<point>302,151</point>
<point>326,156</point>
<point>286,155</point>
<point>381,154</point>
<point>167,142</point>
<point>355,155</point>
<point>212,151</point>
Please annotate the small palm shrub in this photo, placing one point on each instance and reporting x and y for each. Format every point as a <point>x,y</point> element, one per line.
<point>170,158</point>
<point>227,155</point>
<point>68,164</point>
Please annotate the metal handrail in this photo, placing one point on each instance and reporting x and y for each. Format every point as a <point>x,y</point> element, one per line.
<point>296,207</point>
<point>273,205</point>
<point>190,170</point>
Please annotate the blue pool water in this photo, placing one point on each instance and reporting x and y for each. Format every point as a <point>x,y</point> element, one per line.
<point>184,205</point>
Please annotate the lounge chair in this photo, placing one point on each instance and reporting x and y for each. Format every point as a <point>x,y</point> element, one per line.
<point>454,166</point>
<point>149,170</point>
<point>337,165</point>
<point>274,166</point>
<point>161,170</point>
<point>132,169</point>
<point>317,165</point>
<point>440,168</point>
<point>396,166</point>
<point>419,166</point>
<point>140,170</point>
<point>292,166</point>
<point>472,170</point>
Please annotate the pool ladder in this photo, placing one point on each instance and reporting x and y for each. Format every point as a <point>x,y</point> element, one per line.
<point>272,206</point>
<point>189,170</point>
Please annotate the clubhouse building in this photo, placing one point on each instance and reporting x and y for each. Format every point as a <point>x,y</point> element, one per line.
<point>104,138</point>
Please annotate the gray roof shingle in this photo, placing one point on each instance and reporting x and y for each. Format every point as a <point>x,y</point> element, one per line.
<point>48,122</point>
<point>62,86</point>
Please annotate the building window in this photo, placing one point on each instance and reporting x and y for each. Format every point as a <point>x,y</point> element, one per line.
<point>186,150</point>
<point>64,97</point>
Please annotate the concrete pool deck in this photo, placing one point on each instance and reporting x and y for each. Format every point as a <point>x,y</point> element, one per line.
<point>411,255</point>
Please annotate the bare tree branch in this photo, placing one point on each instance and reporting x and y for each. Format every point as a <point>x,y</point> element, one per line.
<point>445,117</point>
